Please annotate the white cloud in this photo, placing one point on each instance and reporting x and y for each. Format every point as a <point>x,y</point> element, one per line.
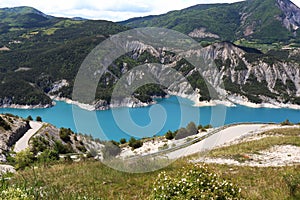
<point>115,10</point>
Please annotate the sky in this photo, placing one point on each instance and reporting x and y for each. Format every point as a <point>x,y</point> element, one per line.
<point>113,10</point>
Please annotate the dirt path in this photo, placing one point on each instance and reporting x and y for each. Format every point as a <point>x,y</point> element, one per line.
<point>224,136</point>
<point>22,143</point>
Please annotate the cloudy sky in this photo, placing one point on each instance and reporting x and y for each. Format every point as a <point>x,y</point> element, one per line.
<point>114,10</point>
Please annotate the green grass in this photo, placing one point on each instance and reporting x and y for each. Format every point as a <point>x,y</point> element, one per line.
<point>94,180</point>
<point>50,31</point>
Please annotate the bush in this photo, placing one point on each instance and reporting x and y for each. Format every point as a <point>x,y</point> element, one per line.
<point>193,182</point>
<point>15,193</point>
<point>111,150</point>
<point>39,144</point>
<point>48,156</point>
<point>192,128</point>
<point>29,118</point>
<point>200,127</point>
<point>123,141</point>
<point>24,159</point>
<point>181,133</point>
<point>286,123</point>
<point>4,124</point>
<point>135,144</point>
<point>208,126</point>
<point>65,134</point>
<point>39,119</point>
<point>61,148</point>
<point>169,135</point>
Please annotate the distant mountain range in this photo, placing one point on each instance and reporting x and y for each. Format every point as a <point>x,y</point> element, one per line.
<point>265,21</point>
<point>258,62</point>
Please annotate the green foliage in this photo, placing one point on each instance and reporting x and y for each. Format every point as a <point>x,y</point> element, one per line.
<point>24,159</point>
<point>293,182</point>
<point>39,119</point>
<point>29,118</point>
<point>4,124</point>
<point>14,193</point>
<point>65,134</point>
<point>39,144</point>
<point>110,150</point>
<point>134,143</point>
<point>51,48</point>
<point>193,182</point>
<point>123,141</point>
<point>48,156</point>
<point>208,126</point>
<point>61,148</point>
<point>224,20</point>
<point>182,133</point>
<point>286,123</point>
<point>192,128</point>
<point>169,135</point>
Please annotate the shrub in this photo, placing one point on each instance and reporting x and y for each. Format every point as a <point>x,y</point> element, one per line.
<point>123,141</point>
<point>293,183</point>
<point>181,133</point>
<point>192,128</point>
<point>48,156</point>
<point>24,159</point>
<point>110,150</point>
<point>4,124</point>
<point>15,193</point>
<point>39,144</point>
<point>65,134</point>
<point>208,126</point>
<point>193,182</point>
<point>29,118</point>
<point>39,119</point>
<point>115,142</point>
<point>134,144</point>
<point>286,123</point>
<point>169,135</point>
<point>61,148</point>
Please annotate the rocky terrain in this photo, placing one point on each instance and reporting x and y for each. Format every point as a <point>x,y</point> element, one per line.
<point>11,130</point>
<point>64,141</point>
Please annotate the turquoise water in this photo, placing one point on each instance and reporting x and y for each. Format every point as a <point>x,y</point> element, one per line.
<point>168,114</point>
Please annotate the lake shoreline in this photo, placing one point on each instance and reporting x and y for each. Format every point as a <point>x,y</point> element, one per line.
<point>232,101</point>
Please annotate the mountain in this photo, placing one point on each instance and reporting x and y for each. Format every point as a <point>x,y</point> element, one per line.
<point>36,50</point>
<point>255,20</point>
<point>41,58</point>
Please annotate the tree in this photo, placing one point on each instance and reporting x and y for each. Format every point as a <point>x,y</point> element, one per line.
<point>48,156</point>
<point>38,119</point>
<point>4,124</point>
<point>135,144</point>
<point>29,118</point>
<point>65,134</point>
<point>208,126</point>
<point>110,150</point>
<point>169,135</point>
<point>181,133</point>
<point>192,129</point>
<point>123,141</point>
<point>24,158</point>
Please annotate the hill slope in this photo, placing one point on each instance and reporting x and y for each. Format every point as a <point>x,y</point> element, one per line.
<point>267,21</point>
<point>40,50</point>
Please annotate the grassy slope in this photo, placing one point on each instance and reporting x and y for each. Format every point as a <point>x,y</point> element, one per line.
<point>93,179</point>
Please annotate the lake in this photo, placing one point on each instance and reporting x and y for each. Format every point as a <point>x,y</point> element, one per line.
<point>168,114</point>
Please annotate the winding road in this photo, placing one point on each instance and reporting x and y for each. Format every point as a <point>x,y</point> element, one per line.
<point>220,138</point>
<point>22,143</point>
